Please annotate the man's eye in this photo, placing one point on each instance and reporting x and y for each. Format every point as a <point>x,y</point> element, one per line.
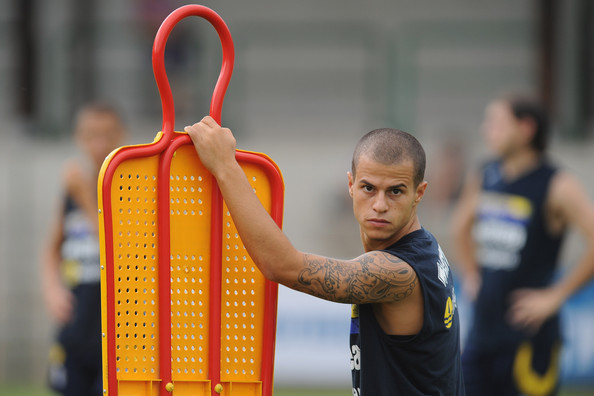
<point>367,188</point>
<point>396,191</point>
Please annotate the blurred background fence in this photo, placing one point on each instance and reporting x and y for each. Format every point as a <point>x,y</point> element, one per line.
<point>310,78</point>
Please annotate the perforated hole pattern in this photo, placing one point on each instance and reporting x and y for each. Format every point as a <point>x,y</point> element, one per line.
<point>135,271</point>
<point>190,211</point>
<point>134,197</point>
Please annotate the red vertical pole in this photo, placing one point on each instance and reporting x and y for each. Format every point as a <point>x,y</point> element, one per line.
<point>216,253</point>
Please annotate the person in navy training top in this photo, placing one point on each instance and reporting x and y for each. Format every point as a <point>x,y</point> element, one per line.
<point>405,337</point>
<point>70,258</point>
<point>509,227</point>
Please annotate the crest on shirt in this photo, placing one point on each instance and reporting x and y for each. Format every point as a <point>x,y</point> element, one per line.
<point>448,315</point>
<point>443,268</point>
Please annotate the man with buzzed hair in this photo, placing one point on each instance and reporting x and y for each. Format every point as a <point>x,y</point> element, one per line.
<point>405,337</point>
<point>388,145</point>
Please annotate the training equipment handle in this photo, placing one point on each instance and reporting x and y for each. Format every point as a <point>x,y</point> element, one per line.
<point>216,103</point>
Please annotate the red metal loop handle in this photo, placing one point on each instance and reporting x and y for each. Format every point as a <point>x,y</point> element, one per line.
<point>218,95</point>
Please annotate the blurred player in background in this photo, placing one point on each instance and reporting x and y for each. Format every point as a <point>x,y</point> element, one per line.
<point>70,260</point>
<point>508,228</point>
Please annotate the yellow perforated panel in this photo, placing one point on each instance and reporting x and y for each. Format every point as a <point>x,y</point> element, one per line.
<point>136,282</point>
<point>134,208</point>
<point>190,211</point>
<point>242,297</point>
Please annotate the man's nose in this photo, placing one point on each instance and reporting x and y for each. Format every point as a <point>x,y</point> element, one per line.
<point>380,204</point>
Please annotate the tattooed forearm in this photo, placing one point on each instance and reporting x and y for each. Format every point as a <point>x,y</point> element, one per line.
<point>371,278</point>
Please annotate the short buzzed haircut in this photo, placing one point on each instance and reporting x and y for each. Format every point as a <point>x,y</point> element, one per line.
<point>391,146</point>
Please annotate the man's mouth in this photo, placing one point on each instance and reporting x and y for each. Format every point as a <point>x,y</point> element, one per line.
<point>378,222</point>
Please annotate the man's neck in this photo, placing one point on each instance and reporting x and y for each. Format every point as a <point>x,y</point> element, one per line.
<point>519,163</point>
<point>371,245</point>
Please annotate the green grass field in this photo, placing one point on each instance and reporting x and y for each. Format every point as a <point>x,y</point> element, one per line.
<point>21,390</point>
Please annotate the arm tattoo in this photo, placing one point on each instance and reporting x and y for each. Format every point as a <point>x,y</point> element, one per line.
<point>370,278</point>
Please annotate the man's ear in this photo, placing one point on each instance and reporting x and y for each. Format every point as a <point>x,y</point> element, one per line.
<point>351,182</point>
<point>421,188</point>
<point>528,128</point>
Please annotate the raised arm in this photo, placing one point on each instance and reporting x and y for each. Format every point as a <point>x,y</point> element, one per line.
<point>374,277</point>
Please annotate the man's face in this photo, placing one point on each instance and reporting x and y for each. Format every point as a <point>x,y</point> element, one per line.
<point>98,135</point>
<point>384,201</point>
<point>502,131</point>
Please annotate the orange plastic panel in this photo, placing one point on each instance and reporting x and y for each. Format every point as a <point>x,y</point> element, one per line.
<point>136,293</point>
<point>190,211</point>
<point>231,321</point>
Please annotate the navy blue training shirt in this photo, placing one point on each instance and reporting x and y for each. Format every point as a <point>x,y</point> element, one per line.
<point>427,363</point>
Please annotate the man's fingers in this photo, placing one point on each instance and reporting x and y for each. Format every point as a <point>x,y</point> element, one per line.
<point>207,124</point>
<point>523,314</point>
<point>209,121</point>
<point>518,318</point>
<point>190,128</point>
<point>518,295</point>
